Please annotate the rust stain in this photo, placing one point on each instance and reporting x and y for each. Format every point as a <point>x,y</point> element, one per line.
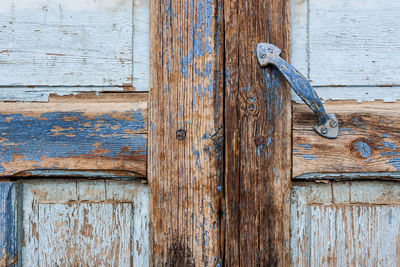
<point>34,231</point>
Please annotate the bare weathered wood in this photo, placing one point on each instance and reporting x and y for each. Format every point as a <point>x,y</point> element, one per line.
<point>345,224</point>
<point>258,140</point>
<point>84,223</point>
<point>185,167</point>
<point>85,132</point>
<point>369,139</point>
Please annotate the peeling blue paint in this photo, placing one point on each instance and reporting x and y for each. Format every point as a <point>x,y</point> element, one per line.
<point>197,155</point>
<point>363,148</point>
<point>389,153</point>
<point>390,217</point>
<point>395,162</point>
<point>70,134</point>
<point>202,32</point>
<point>307,156</point>
<point>389,145</point>
<point>305,146</point>
<point>7,222</point>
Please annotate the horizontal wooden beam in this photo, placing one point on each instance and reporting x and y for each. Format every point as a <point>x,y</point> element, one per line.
<point>89,132</point>
<point>369,139</point>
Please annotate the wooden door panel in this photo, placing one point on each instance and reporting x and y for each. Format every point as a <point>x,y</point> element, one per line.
<point>345,223</point>
<point>69,46</point>
<point>86,223</point>
<point>105,133</point>
<point>349,50</point>
<point>369,139</point>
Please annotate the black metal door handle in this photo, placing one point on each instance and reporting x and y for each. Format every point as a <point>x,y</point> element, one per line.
<point>268,54</point>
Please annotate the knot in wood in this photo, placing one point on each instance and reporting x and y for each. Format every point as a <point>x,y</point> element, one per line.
<point>260,140</point>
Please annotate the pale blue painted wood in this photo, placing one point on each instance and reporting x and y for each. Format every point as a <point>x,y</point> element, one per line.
<point>8,245</point>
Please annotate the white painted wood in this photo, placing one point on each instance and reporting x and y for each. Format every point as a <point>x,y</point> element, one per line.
<point>71,46</point>
<point>356,93</point>
<point>355,44</point>
<point>141,44</point>
<point>345,224</point>
<point>86,234</point>
<point>41,94</point>
<point>299,36</point>
<point>66,42</point>
<point>85,223</point>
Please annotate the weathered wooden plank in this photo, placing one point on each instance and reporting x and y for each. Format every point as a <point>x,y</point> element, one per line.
<point>43,93</point>
<point>186,132</point>
<point>85,223</point>
<point>141,45</point>
<point>66,42</point>
<point>348,42</point>
<point>258,139</point>
<point>107,132</point>
<point>369,139</point>
<point>345,224</point>
<point>8,211</point>
<point>356,93</point>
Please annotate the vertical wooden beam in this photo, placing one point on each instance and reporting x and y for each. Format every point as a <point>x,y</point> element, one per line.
<point>258,136</point>
<point>8,244</point>
<point>185,167</point>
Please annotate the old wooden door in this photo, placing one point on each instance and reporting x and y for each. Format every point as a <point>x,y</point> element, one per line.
<point>345,194</point>
<point>73,133</point>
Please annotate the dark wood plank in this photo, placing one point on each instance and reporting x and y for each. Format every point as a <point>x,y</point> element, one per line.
<point>258,137</point>
<point>369,139</point>
<point>8,243</point>
<point>106,132</point>
<point>186,133</point>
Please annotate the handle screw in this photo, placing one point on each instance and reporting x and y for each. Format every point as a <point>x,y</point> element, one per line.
<point>324,130</point>
<point>181,134</point>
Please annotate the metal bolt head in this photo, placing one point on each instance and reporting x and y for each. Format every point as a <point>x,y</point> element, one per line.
<point>324,130</point>
<point>263,56</point>
<point>181,134</point>
<point>333,124</point>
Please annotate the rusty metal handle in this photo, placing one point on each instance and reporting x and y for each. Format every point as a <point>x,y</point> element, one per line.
<point>327,126</point>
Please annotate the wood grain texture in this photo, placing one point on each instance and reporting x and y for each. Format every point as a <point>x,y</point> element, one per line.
<point>186,176</point>
<point>141,45</point>
<point>66,42</point>
<point>348,42</point>
<point>8,236</point>
<point>368,141</point>
<point>258,138</point>
<point>354,44</point>
<point>87,132</point>
<point>345,224</point>
<point>85,223</point>
<point>71,46</point>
